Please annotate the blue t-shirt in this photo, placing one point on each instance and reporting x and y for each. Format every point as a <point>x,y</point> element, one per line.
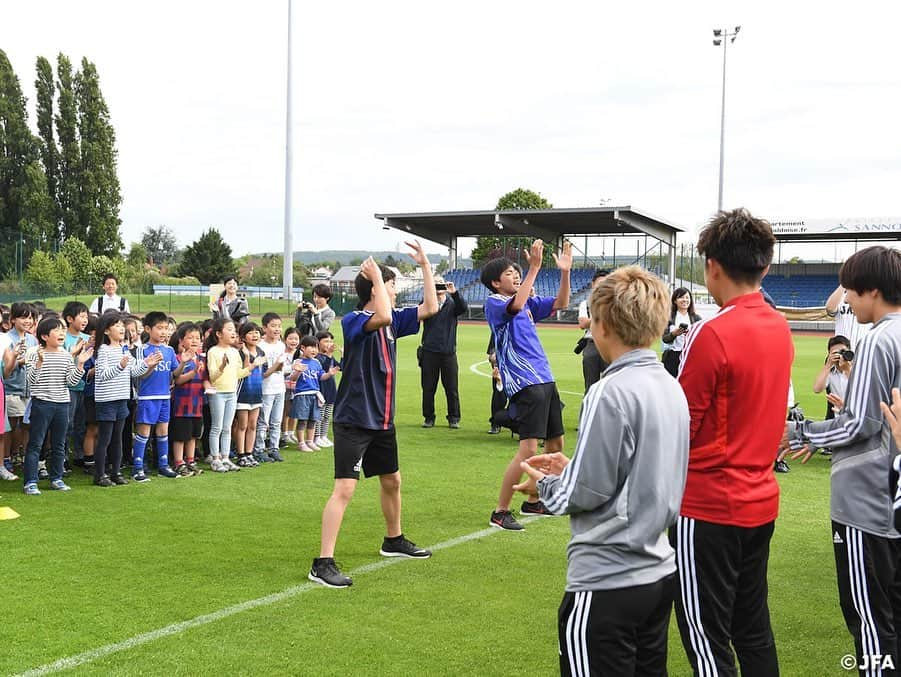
<point>68,344</point>
<point>308,379</point>
<point>157,385</point>
<point>88,381</point>
<point>329,386</point>
<point>250,388</point>
<point>520,357</point>
<point>369,375</point>
<point>14,384</point>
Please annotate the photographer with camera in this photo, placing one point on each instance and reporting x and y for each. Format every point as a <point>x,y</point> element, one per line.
<point>437,355</point>
<point>682,316</point>
<point>312,318</point>
<point>593,364</point>
<point>833,377</point>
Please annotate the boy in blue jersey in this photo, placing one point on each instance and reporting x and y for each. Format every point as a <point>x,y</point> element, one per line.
<point>75,315</point>
<point>512,312</point>
<point>154,392</point>
<point>365,437</point>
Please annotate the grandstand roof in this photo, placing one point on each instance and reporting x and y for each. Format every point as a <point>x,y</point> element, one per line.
<point>548,224</point>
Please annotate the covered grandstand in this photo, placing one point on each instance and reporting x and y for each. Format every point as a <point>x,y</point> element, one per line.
<point>551,225</point>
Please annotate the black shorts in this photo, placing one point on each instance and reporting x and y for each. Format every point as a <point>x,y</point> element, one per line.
<point>90,409</point>
<point>185,428</point>
<point>539,412</point>
<point>373,451</point>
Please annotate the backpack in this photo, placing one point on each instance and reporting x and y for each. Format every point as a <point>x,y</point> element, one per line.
<point>100,304</point>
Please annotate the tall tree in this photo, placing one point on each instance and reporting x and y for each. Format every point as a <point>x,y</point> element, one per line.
<point>490,247</point>
<point>49,152</point>
<point>209,258</point>
<point>23,216</point>
<point>77,253</point>
<point>100,191</point>
<point>160,244</point>
<point>69,172</point>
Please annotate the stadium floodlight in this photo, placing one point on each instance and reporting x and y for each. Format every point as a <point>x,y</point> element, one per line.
<point>724,38</point>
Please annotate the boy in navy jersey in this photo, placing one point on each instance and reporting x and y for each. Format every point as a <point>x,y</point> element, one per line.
<point>153,397</point>
<point>512,312</point>
<point>364,410</point>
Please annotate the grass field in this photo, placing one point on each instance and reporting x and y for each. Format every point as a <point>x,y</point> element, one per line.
<point>156,578</point>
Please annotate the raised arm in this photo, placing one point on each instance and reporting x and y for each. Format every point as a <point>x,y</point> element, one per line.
<point>564,262</point>
<point>834,300</point>
<point>429,305</point>
<point>381,315</point>
<point>535,254</point>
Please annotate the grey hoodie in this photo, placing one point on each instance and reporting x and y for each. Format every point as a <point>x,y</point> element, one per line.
<point>623,486</point>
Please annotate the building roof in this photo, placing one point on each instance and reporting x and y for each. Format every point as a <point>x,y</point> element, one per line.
<point>548,224</point>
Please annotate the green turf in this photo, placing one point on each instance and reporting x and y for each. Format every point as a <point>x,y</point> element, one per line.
<point>98,566</point>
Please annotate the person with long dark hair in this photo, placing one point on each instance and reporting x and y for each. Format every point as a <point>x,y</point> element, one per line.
<point>682,316</point>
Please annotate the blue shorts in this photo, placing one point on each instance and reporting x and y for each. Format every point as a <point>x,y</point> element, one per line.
<point>305,408</point>
<point>117,410</point>
<point>151,412</point>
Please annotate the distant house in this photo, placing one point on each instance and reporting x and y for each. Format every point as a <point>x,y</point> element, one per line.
<point>343,280</point>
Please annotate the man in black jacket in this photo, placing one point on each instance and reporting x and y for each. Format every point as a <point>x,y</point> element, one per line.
<point>438,354</point>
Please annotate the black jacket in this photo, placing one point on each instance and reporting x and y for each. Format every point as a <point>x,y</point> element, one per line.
<point>439,332</point>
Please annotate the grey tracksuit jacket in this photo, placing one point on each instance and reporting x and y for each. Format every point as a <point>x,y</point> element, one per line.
<point>623,486</point>
<point>861,442</point>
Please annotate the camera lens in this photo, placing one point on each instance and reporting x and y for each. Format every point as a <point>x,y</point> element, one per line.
<point>847,355</point>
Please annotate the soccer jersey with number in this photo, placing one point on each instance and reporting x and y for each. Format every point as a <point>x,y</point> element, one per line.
<point>157,385</point>
<point>366,393</point>
<point>520,357</point>
<point>846,324</point>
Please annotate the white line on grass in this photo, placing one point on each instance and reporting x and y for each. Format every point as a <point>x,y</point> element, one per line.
<point>178,628</point>
<point>474,368</point>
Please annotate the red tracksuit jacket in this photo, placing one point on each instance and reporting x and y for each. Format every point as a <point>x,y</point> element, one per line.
<point>735,372</point>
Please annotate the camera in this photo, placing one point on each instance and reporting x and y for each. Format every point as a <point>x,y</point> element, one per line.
<point>441,287</point>
<point>683,326</point>
<point>847,355</point>
<point>580,345</point>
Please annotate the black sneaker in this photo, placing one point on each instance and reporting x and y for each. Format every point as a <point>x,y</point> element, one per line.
<point>401,547</point>
<point>119,480</point>
<point>537,509</point>
<point>781,466</point>
<point>503,519</point>
<point>453,423</point>
<point>103,482</point>
<point>428,423</point>
<point>325,572</point>
<point>494,430</point>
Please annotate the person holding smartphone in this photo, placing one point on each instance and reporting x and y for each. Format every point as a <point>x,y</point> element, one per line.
<point>682,316</point>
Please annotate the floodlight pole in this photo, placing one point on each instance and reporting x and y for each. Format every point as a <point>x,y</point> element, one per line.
<point>725,37</point>
<point>288,255</point>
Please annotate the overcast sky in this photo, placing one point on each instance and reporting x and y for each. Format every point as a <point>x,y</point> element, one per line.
<point>421,106</point>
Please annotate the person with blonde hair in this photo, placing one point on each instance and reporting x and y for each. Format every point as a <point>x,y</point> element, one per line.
<point>622,489</point>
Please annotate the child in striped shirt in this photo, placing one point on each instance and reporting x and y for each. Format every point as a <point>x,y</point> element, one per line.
<point>186,426</point>
<point>114,368</point>
<point>50,371</point>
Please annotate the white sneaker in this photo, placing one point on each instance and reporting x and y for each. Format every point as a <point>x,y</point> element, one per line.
<point>292,438</point>
<point>324,442</point>
<point>229,465</point>
<point>7,475</point>
<point>217,466</point>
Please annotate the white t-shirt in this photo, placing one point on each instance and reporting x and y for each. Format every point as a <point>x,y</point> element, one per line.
<point>679,341</point>
<point>275,382</point>
<point>837,383</point>
<point>583,315</point>
<point>846,324</point>
<point>109,303</point>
